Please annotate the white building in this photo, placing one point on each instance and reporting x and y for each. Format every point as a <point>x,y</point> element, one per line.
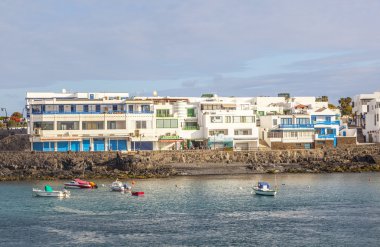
<point>372,121</point>
<point>360,107</point>
<point>114,121</point>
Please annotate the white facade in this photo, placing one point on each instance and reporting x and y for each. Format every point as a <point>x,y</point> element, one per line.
<point>295,129</point>
<point>372,121</point>
<point>113,121</point>
<point>360,107</point>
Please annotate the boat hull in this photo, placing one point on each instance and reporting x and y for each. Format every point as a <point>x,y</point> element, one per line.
<point>264,192</point>
<point>42,193</point>
<point>117,189</point>
<point>78,186</point>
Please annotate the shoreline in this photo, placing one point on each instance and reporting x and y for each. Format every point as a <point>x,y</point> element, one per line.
<point>157,164</point>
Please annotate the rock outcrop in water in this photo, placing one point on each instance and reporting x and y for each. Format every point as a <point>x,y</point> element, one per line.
<point>36,165</point>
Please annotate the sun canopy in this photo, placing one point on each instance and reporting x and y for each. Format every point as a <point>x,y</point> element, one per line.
<point>262,184</point>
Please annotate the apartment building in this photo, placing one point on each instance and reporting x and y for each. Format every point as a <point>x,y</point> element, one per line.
<point>114,121</point>
<point>360,107</point>
<point>372,121</point>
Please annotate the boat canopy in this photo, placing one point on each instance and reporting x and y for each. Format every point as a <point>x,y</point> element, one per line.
<point>48,188</point>
<point>263,184</point>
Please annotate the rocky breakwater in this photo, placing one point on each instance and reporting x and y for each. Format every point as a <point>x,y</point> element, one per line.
<point>348,159</point>
<point>38,165</point>
<point>30,165</point>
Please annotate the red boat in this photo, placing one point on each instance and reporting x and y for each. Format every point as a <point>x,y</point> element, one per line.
<point>80,184</point>
<point>138,193</point>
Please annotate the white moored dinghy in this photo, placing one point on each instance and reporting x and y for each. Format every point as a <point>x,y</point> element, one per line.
<point>49,192</point>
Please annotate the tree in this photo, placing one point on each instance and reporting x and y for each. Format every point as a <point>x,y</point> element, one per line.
<point>331,106</point>
<point>345,106</point>
<point>16,115</point>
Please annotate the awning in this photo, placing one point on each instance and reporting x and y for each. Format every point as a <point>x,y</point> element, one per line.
<point>229,105</point>
<point>60,139</point>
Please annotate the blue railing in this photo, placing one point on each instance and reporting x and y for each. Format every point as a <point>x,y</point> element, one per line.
<point>108,112</point>
<point>328,136</point>
<point>295,126</point>
<point>337,122</point>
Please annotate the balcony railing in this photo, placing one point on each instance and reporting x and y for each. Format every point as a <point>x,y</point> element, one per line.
<point>164,115</point>
<point>190,128</point>
<point>296,126</point>
<point>328,136</point>
<point>337,122</point>
<point>104,112</point>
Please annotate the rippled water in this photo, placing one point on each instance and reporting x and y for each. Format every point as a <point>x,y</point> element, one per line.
<point>310,210</point>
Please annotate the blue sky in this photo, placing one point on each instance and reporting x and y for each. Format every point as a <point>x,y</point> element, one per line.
<point>240,48</point>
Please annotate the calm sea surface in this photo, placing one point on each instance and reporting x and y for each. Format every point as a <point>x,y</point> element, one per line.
<point>310,210</point>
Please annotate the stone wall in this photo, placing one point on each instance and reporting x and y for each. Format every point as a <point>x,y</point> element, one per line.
<point>31,165</point>
<point>285,146</point>
<point>344,141</point>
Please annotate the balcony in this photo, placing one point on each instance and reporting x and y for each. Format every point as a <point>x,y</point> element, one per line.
<point>140,112</point>
<point>328,136</point>
<point>296,126</point>
<point>337,122</point>
<point>190,128</point>
<point>164,115</point>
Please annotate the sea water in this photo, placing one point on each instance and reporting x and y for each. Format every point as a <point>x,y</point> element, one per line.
<point>309,210</point>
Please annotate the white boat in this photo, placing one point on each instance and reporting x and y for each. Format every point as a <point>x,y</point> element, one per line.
<point>263,189</point>
<point>120,187</point>
<point>49,192</point>
<point>117,186</point>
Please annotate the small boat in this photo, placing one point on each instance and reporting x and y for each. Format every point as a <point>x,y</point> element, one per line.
<point>49,192</point>
<point>263,189</point>
<point>137,193</point>
<point>119,186</point>
<point>80,184</point>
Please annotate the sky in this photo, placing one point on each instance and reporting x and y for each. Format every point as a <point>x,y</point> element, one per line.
<point>186,48</point>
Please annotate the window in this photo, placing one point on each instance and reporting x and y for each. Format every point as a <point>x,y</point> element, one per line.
<point>328,119</point>
<point>92,125</point>
<point>92,96</point>
<point>50,108</point>
<point>313,118</point>
<point>293,134</point>
<point>303,121</point>
<point>166,123</point>
<point>218,132</point>
<point>140,124</point>
<point>191,112</point>
<point>44,125</point>
<point>286,121</point>
<point>330,131</point>
<point>36,108</point>
<point>116,125</point>
<point>85,108</point>
<point>145,108</point>
<point>274,121</point>
<point>216,119</point>
<point>163,113</point>
<point>228,119</point>
<point>67,125</point>
<point>61,108</point>
<point>243,132</point>
<point>130,108</point>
